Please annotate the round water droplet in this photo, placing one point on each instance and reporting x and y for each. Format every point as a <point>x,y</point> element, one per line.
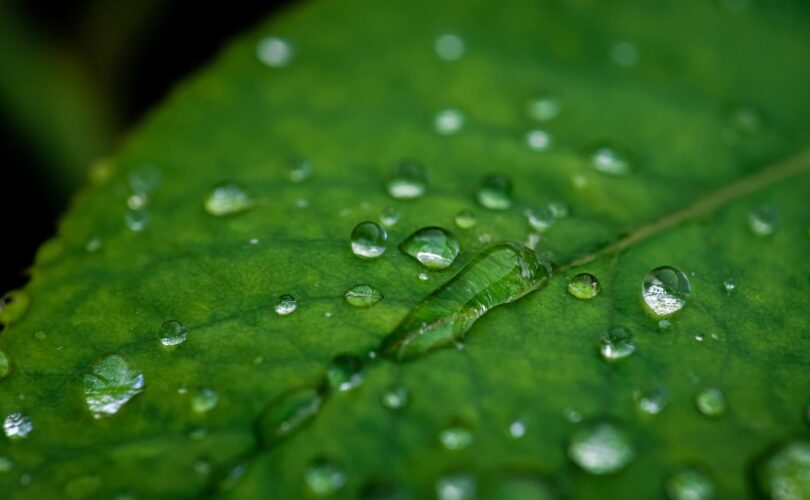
<point>448,121</point>
<point>544,107</point>
<point>204,401</point>
<point>110,384</point>
<point>389,216</point>
<point>434,247</point>
<point>17,425</point>
<point>301,171</point>
<point>617,344</point>
<point>465,219</point>
<point>93,244</point>
<point>729,285</point>
<point>274,51</point>
<point>396,397</point>
<point>495,192</point>
<point>362,296</point>
<point>601,447</point>
<point>345,372</point>
<point>540,220</point>
<point>762,220</point>
<point>227,198</point>
<point>136,220</point>
<point>449,47</point>
<point>368,240</point>
<point>572,415</point>
<point>517,428</point>
<point>785,472</point>
<point>538,140</point>
<point>325,477</point>
<point>173,333</point>
<point>665,290</point>
<point>711,402</point>
<point>286,305</point>
<point>689,483</point>
<point>40,335</point>
<point>456,437</point>
<point>137,201</point>
<point>458,486</point>
<point>653,401</point>
<point>5,365</point>
<point>612,159</point>
<point>624,54</point>
<point>584,286</point>
<point>409,181</point>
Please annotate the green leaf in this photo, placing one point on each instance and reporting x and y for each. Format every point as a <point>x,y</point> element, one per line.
<point>188,332</point>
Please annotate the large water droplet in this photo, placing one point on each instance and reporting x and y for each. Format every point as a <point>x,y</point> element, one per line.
<point>495,192</point>
<point>711,402</point>
<point>617,344</point>
<point>325,477</point>
<point>173,333</point>
<point>288,413</point>
<point>449,47</point>
<point>345,372</point>
<point>785,473</point>
<point>689,483</point>
<point>396,397</point>
<point>286,305</point>
<point>601,447</point>
<point>456,437</point>
<point>5,365</point>
<point>433,247</point>
<point>227,199</point>
<point>274,51</point>
<point>497,275</point>
<point>465,219</point>
<point>544,107</point>
<point>762,220</point>
<point>17,425</point>
<point>584,286</point>
<point>362,296</point>
<point>460,486</point>
<point>368,240</point>
<point>110,384</point>
<point>448,121</point>
<point>665,290</point>
<point>409,181</point>
<point>204,401</point>
<point>612,159</point>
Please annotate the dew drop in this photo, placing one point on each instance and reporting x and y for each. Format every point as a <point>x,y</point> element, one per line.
<point>362,296</point>
<point>517,428</point>
<point>288,413</point>
<point>544,107</point>
<point>17,425</point>
<point>762,220</point>
<point>617,344</point>
<point>572,415</point>
<point>653,401</point>
<point>204,401</point>
<point>612,159</point>
<point>301,171</point>
<point>423,276</point>
<point>325,477</point>
<point>495,192</point>
<point>110,384</point>
<point>465,219</point>
<point>689,483</point>
<point>93,244</point>
<point>138,201</point>
<point>456,437</point>
<point>368,240</point>
<point>40,335</point>
<point>227,198</point>
<point>584,286</point>
<point>785,472</point>
<point>345,372</point>
<point>711,402</point>
<point>665,290</point>
<point>396,397</point>
<point>601,447</point>
<point>434,247</point>
<point>137,220</point>
<point>540,220</point>
<point>389,216</point>
<point>729,285</point>
<point>538,140</point>
<point>173,333</point>
<point>5,365</point>
<point>449,47</point>
<point>274,52</point>
<point>460,486</point>
<point>448,121</point>
<point>286,305</point>
<point>409,180</point>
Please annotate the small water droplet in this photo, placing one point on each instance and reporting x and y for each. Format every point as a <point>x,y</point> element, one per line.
<point>17,425</point>
<point>434,247</point>
<point>584,286</point>
<point>665,290</point>
<point>396,397</point>
<point>544,107</point>
<point>389,216</point>
<point>539,140</point>
<point>5,365</point>
<point>173,333</point>
<point>572,415</point>
<point>448,121</point>
<point>540,220</point>
<point>711,402</point>
<point>762,220</point>
<point>460,486</point>
<point>409,180</point>
<point>368,240</point>
<point>699,337</point>
<point>423,276</point>
<point>110,384</point>
<point>345,372</point>
<point>288,413</point>
<point>449,47</point>
<point>664,324</point>
<point>617,344</point>
<point>785,472</point>
<point>301,171</point>
<point>653,401</point>
<point>465,219</point>
<point>495,192</point>
<point>325,477</point>
<point>227,198</point>
<point>286,305</point>
<point>517,428</point>
<point>729,285</point>
<point>40,335</point>
<point>624,54</point>
<point>137,201</point>
<point>601,447</point>
<point>456,437</point>
<point>558,209</point>
<point>689,483</point>
<point>204,401</point>
<point>362,296</point>
<point>136,220</point>
<point>612,159</point>
<point>275,52</point>
<point>93,244</point>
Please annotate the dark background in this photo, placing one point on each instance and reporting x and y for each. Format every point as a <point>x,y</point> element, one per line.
<point>132,52</point>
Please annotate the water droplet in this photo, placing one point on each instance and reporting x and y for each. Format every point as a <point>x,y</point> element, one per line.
<point>301,171</point>
<point>653,401</point>
<point>93,244</point>
<point>711,402</point>
<point>227,198</point>
<point>458,486</point>
<point>5,365</point>
<point>362,296</point>
<point>612,159</point>
<point>699,337</point>
<point>617,344</point>
<point>409,181</point>
<point>624,54</point>
<point>665,290</point>
<point>368,240</point>
<point>456,437</point>
<point>275,52</point>
<point>40,335</point>
<point>664,324</point>
<point>204,401</point>
<point>325,477</point>
<point>136,220</point>
<point>448,121</point>
<point>584,286</point>
<point>601,447</point>
<point>558,209</point>
<point>288,413</point>
<point>538,140</point>
<point>785,473</point>
<point>434,247</point>
<point>396,397</point>
<point>572,415</point>
<point>286,305</point>
<point>82,487</point>
<point>762,220</point>
<point>730,284</point>
<point>389,216</point>
<point>345,372</point>
<point>495,192</point>
<point>17,425</point>
<point>110,385</point>
<point>544,107</point>
<point>6,464</point>
<point>423,276</point>
<point>173,333</point>
<point>465,219</point>
<point>540,220</point>
<point>497,275</point>
<point>689,483</point>
<point>449,47</point>
<point>517,428</point>
<point>137,201</point>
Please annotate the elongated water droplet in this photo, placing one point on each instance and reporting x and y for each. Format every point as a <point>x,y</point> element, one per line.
<point>396,397</point>
<point>539,140</point>
<point>345,372</point>
<point>389,216</point>
<point>227,198</point>
<point>711,402</point>
<point>173,333</point>
<point>601,447</point>
<point>17,425</point>
<point>617,344</point>
<point>456,437</point>
<point>409,181</point>
<point>369,240</point>
<point>544,107</point>
<point>499,274</point>
<point>449,47</point>
<point>286,305</point>
<point>665,290</point>
<point>495,192</point>
<point>785,472</point>
<point>110,384</point>
<point>465,219</point>
<point>274,52</point>
<point>288,413</point>
<point>448,121</point>
<point>612,159</point>
<point>325,477</point>
<point>5,365</point>
<point>459,486</point>
<point>584,286</point>
<point>762,220</point>
<point>689,483</point>
<point>434,247</point>
<point>362,296</point>
<point>204,401</point>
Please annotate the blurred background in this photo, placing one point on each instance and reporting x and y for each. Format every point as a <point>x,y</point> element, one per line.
<point>74,76</point>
